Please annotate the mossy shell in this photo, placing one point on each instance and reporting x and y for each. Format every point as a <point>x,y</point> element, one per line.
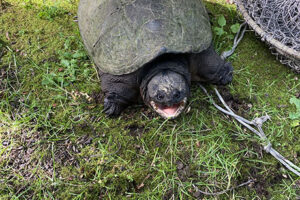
<point>123,35</point>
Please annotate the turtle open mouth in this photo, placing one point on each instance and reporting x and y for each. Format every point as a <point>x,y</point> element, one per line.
<point>169,112</point>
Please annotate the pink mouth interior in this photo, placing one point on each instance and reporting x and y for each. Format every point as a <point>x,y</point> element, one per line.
<point>169,110</point>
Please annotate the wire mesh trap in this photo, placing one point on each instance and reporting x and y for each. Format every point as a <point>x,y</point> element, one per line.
<point>278,23</point>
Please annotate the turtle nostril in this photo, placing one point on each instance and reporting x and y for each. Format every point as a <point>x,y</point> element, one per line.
<point>176,95</point>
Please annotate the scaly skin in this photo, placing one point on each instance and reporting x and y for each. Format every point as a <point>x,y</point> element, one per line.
<point>121,91</point>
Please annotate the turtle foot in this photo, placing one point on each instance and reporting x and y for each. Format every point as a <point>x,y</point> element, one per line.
<point>113,105</point>
<point>225,74</point>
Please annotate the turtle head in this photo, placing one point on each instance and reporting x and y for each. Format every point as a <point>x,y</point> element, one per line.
<point>167,93</point>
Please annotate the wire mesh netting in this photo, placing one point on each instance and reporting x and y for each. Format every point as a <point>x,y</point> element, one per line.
<point>277,22</point>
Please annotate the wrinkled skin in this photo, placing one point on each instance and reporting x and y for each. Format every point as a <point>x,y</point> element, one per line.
<point>164,84</point>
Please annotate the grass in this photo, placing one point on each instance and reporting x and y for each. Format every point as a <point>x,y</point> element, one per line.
<point>55,142</point>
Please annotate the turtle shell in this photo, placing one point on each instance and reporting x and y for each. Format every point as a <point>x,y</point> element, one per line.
<point>123,35</point>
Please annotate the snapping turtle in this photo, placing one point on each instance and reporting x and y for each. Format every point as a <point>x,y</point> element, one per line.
<point>151,49</point>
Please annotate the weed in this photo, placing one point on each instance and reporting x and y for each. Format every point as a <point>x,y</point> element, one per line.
<point>295,101</point>
<point>50,12</point>
<point>295,116</point>
<point>223,37</point>
<point>68,67</point>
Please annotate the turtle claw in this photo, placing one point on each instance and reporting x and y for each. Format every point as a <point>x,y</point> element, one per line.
<point>112,107</point>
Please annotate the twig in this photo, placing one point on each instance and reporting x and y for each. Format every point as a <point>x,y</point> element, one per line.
<point>237,39</point>
<point>257,122</point>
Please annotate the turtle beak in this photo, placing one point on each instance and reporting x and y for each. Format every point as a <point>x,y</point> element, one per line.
<point>169,111</point>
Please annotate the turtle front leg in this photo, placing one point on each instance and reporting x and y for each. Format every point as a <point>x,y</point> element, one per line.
<point>120,92</point>
<point>208,66</point>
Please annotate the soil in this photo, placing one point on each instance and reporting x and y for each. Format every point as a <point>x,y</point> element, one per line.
<point>170,194</point>
<point>241,106</point>
<point>183,171</point>
<point>135,130</point>
<point>21,157</point>
<point>4,5</point>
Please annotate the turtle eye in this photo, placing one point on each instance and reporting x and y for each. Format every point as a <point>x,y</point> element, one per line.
<point>177,94</point>
<point>160,97</point>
